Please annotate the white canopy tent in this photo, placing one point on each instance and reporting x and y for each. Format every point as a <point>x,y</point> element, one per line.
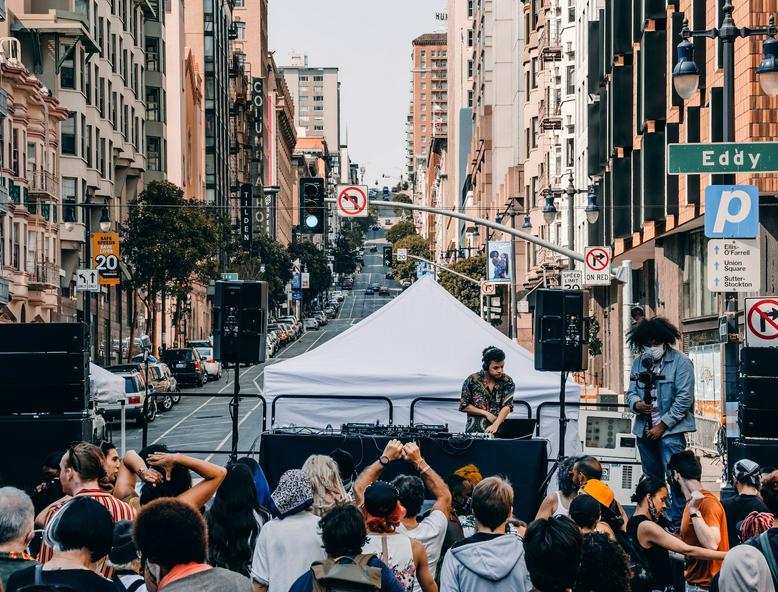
<point>105,386</point>
<point>424,343</point>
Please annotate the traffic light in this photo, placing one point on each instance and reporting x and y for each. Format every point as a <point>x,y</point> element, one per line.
<point>312,209</point>
<point>387,256</point>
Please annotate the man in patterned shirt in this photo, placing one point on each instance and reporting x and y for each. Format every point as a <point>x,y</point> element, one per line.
<point>487,396</point>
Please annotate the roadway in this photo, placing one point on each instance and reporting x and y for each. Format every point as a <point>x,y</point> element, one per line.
<point>201,421</point>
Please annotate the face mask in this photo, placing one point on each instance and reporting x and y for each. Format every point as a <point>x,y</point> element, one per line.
<point>654,351</point>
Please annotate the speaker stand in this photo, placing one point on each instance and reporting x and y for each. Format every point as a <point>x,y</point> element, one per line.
<point>562,432</point>
<point>235,413</point>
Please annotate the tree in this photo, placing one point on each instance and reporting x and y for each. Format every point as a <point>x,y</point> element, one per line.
<point>417,246</point>
<point>168,243</point>
<point>466,292</point>
<point>401,198</point>
<point>312,258</point>
<point>344,258</point>
<point>400,230</point>
<point>278,267</point>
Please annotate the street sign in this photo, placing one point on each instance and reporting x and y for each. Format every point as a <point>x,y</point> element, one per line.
<point>762,321</point>
<point>288,288</point>
<point>105,257</point>
<point>734,265</point>
<point>731,211</point>
<point>488,289</point>
<point>352,201</point>
<point>305,281</point>
<point>230,277</point>
<point>87,280</point>
<point>722,157</point>
<point>297,281</point>
<point>297,295</point>
<point>597,266</point>
<point>402,254</point>
<point>572,279</point>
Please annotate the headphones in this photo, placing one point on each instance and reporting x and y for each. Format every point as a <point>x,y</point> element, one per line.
<point>487,351</point>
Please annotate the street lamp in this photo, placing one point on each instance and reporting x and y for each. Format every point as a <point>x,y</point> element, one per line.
<point>527,225</point>
<point>686,74</point>
<point>549,210</point>
<point>768,69</point>
<point>105,219</point>
<point>592,209</point>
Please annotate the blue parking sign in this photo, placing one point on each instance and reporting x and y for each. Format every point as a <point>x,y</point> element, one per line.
<point>297,295</point>
<point>731,211</point>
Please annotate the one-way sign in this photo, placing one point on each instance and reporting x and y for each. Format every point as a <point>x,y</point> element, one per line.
<point>87,280</point>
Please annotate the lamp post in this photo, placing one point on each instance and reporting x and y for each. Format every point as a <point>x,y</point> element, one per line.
<point>592,211</point>
<point>105,225</point>
<point>514,307</point>
<point>686,80</point>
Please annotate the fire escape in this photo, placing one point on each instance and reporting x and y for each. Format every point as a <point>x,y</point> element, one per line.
<point>240,115</point>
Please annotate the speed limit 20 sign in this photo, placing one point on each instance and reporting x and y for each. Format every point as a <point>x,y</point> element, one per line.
<point>105,257</point>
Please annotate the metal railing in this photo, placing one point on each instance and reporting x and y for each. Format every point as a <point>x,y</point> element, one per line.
<point>549,44</point>
<point>46,274</point>
<point>519,402</point>
<point>41,181</point>
<point>386,400</point>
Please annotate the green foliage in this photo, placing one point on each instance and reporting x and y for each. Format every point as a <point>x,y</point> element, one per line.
<point>401,198</point>
<point>168,243</point>
<point>313,258</point>
<point>595,343</point>
<point>466,292</point>
<point>417,246</point>
<point>345,260</point>
<point>278,265</point>
<point>400,230</point>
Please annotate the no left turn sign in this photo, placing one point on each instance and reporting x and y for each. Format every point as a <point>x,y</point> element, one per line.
<point>352,201</point>
<point>762,321</point>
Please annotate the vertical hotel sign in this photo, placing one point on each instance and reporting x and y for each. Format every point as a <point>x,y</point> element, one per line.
<point>246,216</point>
<point>258,153</point>
<point>269,199</point>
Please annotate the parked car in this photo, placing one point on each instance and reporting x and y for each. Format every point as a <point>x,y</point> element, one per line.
<point>199,343</point>
<point>330,312</point>
<point>320,316</point>
<point>311,324</point>
<point>376,286</point>
<point>135,393</point>
<point>294,323</point>
<point>405,284</point>
<point>390,276</point>
<point>161,384</point>
<point>212,367</point>
<point>175,392</point>
<point>290,332</point>
<point>339,296</point>
<point>373,249</point>
<point>186,365</point>
<point>369,291</point>
<point>383,291</point>
<point>283,338</point>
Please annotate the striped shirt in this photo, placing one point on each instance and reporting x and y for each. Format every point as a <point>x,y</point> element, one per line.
<point>119,511</point>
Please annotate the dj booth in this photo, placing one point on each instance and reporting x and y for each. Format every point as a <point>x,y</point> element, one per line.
<point>522,461</point>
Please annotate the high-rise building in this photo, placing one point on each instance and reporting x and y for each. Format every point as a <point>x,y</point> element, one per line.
<point>156,94</point>
<point>316,96</point>
<point>94,63</point>
<point>429,103</point>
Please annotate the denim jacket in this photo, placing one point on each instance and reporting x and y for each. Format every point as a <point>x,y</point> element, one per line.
<point>674,394</point>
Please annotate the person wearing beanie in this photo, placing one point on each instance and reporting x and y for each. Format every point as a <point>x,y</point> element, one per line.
<point>745,570</point>
<point>288,544</point>
<point>746,479</point>
<point>125,559</point>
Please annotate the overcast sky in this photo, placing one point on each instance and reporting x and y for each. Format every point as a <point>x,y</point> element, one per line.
<point>370,41</point>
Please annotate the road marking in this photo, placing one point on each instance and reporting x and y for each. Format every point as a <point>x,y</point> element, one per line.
<point>229,436</point>
<point>315,342</point>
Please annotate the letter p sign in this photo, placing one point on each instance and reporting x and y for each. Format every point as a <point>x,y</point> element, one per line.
<point>731,211</point>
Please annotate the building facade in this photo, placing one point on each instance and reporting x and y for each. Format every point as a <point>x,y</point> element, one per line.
<point>655,220</point>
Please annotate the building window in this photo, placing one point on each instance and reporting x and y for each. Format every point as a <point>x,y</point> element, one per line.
<point>318,78</point>
<point>424,128</point>
<point>303,78</point>
<point>318,128</point>
<point>469,68</point>
<point>698,301</point>
<point>68,134</point>
<point>534,72</point>
<point>318,108</point>
<point>88,145</point>
<point>470,98</point>
<point>152,54</point>
<point>470,8</point>
<point>88,84</point>
<point>153,106</point>
<point>69,198</point>
<point>570,150</point>
<point>318,97</point>
<point>67,73</point>
<point>240,29</point>
<point>303,99</point>
<point>304,108</point>
<point>534,129</point>
<point>570,80</point>
<point>470,37</point>
<point>153,153</point>
<point>237,4</point>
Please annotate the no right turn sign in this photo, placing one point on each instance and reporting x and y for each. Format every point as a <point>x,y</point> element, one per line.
<point>762,321</point>
<point>597,266</point>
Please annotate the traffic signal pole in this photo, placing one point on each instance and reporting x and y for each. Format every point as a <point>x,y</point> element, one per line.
<point>448,269</point>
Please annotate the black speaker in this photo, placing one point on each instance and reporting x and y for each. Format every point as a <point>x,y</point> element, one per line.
<point>44,368</point>
<point>559,331</point>
<point>44,398</point>
<point>762,452</point>
<point>39,437</point>
<point>240,322</point>
<point>46,337</point>
<point>759,361</point>
<point>759,391</point>
<point>757,423</point>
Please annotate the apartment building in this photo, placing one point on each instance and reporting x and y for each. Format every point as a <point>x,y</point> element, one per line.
<point>97,70</point>
<point>650,218</point>
<point>156,94</point>
<point>30,197</point>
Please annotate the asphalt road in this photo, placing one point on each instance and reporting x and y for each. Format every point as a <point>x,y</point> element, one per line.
<point>201,421</point>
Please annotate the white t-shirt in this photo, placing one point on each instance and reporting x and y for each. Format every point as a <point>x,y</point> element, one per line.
<point>285,550</point>
<point>430,532</point>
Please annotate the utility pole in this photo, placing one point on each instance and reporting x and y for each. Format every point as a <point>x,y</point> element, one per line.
<point>514,306</point>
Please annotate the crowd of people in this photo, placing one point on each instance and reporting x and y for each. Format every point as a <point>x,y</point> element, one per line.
<point>141,523</point>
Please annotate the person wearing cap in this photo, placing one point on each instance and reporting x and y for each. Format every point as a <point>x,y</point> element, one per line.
<point>612,513</point>
<point>746,479</point>
<point>125,559</point>
<point>380,504</point>
<point>287,545</point>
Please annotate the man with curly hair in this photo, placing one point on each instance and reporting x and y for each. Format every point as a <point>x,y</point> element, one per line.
<point>600,555</point>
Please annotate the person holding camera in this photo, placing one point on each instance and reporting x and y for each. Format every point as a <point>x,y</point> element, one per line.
<point>661,393</point>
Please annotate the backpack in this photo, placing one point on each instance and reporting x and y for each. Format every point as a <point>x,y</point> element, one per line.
<point>640,576</point>
<point>767,551</point>
<point>329,575</point>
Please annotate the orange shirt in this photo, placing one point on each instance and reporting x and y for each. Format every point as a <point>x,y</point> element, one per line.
<point>698,571</point>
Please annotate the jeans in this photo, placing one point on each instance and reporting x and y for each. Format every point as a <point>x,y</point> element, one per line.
<point>694,588</point>
<point>655,455</point>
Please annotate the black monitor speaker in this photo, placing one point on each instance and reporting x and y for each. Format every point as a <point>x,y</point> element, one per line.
<point>559,331</point>
<point>240,322</point>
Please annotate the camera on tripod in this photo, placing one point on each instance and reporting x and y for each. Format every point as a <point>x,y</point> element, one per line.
<point>647,380</point>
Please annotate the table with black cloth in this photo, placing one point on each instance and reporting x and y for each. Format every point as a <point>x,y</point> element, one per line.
<point>522,462</point>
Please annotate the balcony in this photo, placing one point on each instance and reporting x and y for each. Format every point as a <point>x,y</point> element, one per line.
<point>5,291</point>
<point>45,276</point>
<point>550,113</point>
<point>42,183</point>
<point>5,199</point>
<point>549,44</point>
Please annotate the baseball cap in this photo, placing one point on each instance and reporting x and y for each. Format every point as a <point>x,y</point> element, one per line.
<point>599,491</point>
<point>746,472</point>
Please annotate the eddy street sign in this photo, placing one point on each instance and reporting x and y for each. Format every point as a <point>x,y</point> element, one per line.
<point>734,265</point>
<point>731,211</point>
<point>722,157</point>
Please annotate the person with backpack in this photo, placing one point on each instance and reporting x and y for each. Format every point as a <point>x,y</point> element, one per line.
<point>343,534</point>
